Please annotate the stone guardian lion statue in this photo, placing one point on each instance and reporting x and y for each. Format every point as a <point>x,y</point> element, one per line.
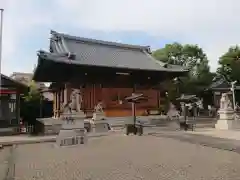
<point>225,102</point>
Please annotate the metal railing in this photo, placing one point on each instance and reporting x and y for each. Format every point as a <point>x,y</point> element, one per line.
<point>27,129</point>
<point>17,130</point>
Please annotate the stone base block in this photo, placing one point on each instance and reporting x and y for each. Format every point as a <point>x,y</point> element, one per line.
<point>174,125</point>
<point>102,126</point>
<point>52,129</point>
<point>73,116</point>
<point>70,137</point>
<point>224,124</point>
<point>76,125</point>
<point>99,116</point>
<point>50,126</point>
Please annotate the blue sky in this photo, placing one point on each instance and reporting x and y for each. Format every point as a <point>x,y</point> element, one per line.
<point>211,24</point>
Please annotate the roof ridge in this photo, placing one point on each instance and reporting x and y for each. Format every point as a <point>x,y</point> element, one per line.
<point>156,61</point>
<point>21,73</point>
<point>96,41</point>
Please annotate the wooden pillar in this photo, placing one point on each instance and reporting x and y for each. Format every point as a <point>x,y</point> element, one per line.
<point>17,107</point>
<point>134,106</point>
<point>65,99</point>
<point>81,88</point>
<point>58,103</point>
<point>40,109</point>
<point>56,109</point>
<point>159,98</point>
<point>68,91</point>
<point>18,98</point>
<point>55,104</point>
<point>61,98</point>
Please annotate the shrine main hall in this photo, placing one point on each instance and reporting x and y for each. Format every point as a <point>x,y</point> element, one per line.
<point>106,72</point>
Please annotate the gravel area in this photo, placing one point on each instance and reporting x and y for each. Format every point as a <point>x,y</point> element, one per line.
<point>126,158</point>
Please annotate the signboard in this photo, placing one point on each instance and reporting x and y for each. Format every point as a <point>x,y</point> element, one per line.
<point>7,91</point>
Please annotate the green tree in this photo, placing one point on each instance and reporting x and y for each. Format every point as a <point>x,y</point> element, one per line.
<point>190,56</point>
<point>171,54</point>
<point>33,93</point>
<point>230,64</point>
<point>230,67</point>
<point>194,59</point>
<point>30,107</point>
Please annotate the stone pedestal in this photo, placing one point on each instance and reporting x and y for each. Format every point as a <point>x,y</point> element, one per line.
<point>50,126</point>
<point>75,116</point>
<point>226,119</point>
<point>100,123</point>
<point>237,115</point>
<point>72,131</point>
<point>97,116</point>
<point>129,120</point>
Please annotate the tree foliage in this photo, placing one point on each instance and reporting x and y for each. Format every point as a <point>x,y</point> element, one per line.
<point>193,58</point>
<point>30,107</point>
<point>33,93</point>
<point>190,56</point>
<point>230,64</point>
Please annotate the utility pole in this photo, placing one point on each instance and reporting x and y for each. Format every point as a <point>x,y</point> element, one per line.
<point>1,32</point>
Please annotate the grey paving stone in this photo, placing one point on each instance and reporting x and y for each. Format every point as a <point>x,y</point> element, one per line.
<point>5,155</point>
<point>126,158</point>
<point>214,142</point>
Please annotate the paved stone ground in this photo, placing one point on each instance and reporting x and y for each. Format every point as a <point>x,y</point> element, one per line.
<point>4,157</point>
<point>204,140</point>
<point>122,157</point>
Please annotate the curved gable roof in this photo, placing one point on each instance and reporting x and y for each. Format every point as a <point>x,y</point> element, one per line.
<point>107,54</point>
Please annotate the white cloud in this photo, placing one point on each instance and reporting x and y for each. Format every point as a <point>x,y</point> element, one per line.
<point>213,24</point>
<point>19,19</point>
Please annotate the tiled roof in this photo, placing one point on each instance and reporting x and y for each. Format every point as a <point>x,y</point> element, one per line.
<point>26,78</point>
<point>84,51</point>
<point>8,81</point>
<point>220,84</point>
<point>188,97</point>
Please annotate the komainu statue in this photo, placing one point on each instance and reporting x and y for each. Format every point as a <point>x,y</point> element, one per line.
<point>98,108</point>
<point>225,102</point>
<point>72,106</point>
<point>76,100</point>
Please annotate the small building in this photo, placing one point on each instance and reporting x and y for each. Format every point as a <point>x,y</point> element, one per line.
<point>26,78</point>
<point>22,77</point>
<point>10,94</point>
<point>46,100</point>
<point>103,71</point>
<point>218,87</point>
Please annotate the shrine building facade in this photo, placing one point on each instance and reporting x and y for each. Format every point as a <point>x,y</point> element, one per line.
<point>10,95</point>
<point>106,72</point>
